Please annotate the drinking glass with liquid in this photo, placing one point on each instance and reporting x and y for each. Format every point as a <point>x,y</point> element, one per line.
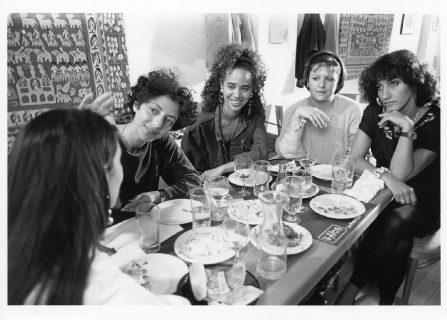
<point>218,187</point>
<point>200,207</point>
<point>243,168</point>
<point>340,176</point>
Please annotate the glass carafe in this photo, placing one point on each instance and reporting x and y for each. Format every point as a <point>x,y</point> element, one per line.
<point>280,177</point>
<point>272,257</point>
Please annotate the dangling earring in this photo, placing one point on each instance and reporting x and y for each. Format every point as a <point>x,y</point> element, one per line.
<point>109,211</point>
<point>221,98</point>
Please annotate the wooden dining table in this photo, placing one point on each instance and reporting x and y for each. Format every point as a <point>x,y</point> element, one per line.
<point>306,269</point>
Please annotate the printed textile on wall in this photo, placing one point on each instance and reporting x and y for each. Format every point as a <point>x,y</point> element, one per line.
<point>55,59</point>
<point>363,38</point>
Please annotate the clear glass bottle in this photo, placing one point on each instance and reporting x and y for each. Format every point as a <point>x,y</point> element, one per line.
<point>272,256</point>
<point>277,185</point>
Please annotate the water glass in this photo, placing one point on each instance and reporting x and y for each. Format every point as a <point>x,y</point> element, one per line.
<point>340,176</point>
<point>200,207</point>
<point>148,222</point>
<point>243,168</point>
<point>308,160</point>
<point>218,187</point>
<point>262,176</point>
<point>293,187</point>
<point>349,164</point>
<point>307,176</point>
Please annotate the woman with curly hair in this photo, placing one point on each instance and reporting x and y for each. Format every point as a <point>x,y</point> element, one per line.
<point>232,122</point>
<point>401,125</point>
<point>64,173</point>
<point>157,103</point>
<point>325,123</point>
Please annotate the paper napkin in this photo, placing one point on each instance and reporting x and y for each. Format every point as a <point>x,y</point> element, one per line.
<point>366,187</point>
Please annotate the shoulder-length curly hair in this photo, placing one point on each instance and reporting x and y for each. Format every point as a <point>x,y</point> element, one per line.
<point>228,58</point>
<point>400,64</point>
<point>164,82</point>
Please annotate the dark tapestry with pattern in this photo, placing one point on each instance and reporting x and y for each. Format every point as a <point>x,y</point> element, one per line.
<point>55,59</point>
<point>363,38</point>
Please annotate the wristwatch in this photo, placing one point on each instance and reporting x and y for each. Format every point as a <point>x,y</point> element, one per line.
<point>162,195</point>
<point>380,171</point>
<point>410,135</point>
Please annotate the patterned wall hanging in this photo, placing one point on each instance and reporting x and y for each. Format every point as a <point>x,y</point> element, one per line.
<point>363,38</point>
<point>55,59</point>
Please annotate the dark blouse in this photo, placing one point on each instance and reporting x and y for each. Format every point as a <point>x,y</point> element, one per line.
<point>204,145</point>
<point>162,158</point>
<point>384,141</point>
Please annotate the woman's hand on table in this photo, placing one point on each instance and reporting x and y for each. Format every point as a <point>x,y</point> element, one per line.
<point>147,197</point>
<point>206,175</point>
<point>102,105</point>
<point>403,193</point>
<point>317,117</point>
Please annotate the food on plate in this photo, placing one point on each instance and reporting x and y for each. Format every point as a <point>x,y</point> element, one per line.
<point>248,211</point>
<point>215,285</point>
<point>338,209</point>
<point>198,279</point>
<point>137,272</point>
<point>290,167</point>
<point>205,244</point>
<point>293,238</point>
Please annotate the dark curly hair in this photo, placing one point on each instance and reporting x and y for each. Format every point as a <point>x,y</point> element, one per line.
<point>164,82</point>
<point>400,64</point>
<point>228,58</point>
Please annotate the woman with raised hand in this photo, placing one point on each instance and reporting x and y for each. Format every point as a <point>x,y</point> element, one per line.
<point>64,174</point>
<point>158,104</point>
<point>325,123</point>
<point>401,125</point>
<point>231,125</point>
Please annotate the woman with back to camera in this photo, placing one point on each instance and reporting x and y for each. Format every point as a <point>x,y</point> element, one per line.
<point>158,104</point>
<point>325,123</point>
<point>401,125</point>
<point>231,125</point>
<point>64,173</point>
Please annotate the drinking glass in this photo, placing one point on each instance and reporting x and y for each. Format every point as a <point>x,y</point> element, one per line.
<point>349,164</point>
<point>243,168</point>
<point>308,160</point>
<point>200,207</point>
<point>238,233</point>
<point>293,187</point>
<point>219,188</point>
<point>340,176</point>
<point>308,187</point>
<point>262,176</point>
<point>148,220</point>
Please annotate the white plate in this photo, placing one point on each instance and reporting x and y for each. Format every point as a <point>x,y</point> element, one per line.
<point>246,211</point>
<point>163,270</point>
<point>207,245</point>
<point>250,182</point>
<point>322,171</point>
<point>304,244</point>
<point>175,211</point>
<point>337,206</point>
<point>290,167</point>
<point>313,191</point>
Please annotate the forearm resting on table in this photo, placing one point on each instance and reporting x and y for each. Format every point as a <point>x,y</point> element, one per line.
<point>289,142</point>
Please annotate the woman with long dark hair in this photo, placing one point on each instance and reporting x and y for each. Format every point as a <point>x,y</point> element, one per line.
<point>231,125</point>
<point>401,125</point>
<point>64,174</point>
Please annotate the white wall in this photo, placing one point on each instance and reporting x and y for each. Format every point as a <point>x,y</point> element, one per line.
<point>178,40</point>
<point>166,40</point>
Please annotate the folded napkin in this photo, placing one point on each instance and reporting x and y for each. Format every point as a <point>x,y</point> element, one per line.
<point>366,187</point>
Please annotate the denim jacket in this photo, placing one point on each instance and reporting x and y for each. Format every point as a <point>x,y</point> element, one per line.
<point>204,145</point>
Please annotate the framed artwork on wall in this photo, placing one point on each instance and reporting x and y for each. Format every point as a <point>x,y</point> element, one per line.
<point>408,23</point>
